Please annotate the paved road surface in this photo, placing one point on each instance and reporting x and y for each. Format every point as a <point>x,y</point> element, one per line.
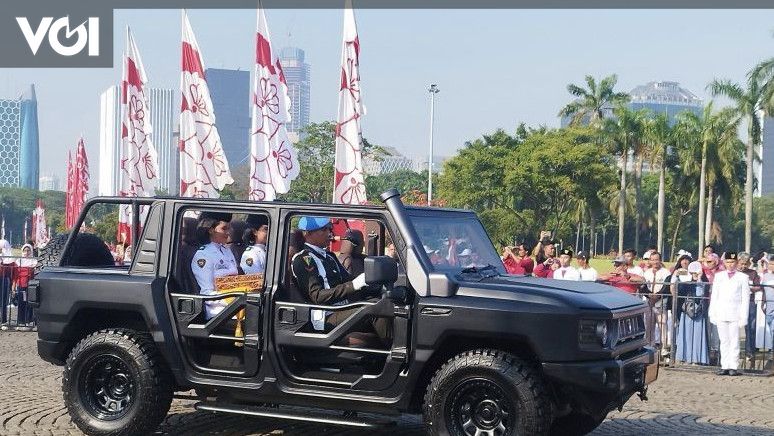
<point>681,403</point>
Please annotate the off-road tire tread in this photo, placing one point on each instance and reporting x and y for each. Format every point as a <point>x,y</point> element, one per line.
<point>51,254</point>
<point>153,401</point>
<point>529,385</point>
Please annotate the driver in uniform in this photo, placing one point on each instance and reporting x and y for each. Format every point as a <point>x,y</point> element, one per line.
<point>323,280</point>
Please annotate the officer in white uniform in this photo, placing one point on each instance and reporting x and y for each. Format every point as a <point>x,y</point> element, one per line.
<point>213,259</point>
<point>728,310</point>
<point>565,271</point>
<point>254,257</point>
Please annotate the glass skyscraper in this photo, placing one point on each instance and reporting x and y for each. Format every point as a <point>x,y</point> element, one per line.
<point>230,93</point>
<point>299,83</point>
<point>19,145</point>
<point>164,119</point>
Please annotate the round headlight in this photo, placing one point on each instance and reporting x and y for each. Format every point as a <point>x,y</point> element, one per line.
<point>601,331</point>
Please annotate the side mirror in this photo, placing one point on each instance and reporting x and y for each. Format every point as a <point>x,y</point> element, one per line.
<point>380,270</point>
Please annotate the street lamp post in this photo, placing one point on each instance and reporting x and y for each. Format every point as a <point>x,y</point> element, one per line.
<point>433,90</point>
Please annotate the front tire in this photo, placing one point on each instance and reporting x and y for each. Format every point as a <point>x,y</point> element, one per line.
<point>487,392</point>
<point>115,383</point>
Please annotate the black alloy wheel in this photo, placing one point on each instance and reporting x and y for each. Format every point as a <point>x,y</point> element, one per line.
<point>115,383</point>
<point>106,386</point>
<point>479,407</point>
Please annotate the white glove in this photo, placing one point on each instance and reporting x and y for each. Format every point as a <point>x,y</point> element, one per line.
<point>359,282</point>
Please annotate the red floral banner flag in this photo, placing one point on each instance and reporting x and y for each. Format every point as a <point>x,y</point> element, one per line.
<point>139,161</point>
<point>273,160</point>
<point>203,165</point>
<point>39,228</point>
<point>69,195</point>
<point>349,185</point>
<point>80,188</point>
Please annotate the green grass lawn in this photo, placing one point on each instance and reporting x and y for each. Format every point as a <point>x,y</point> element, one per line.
<point>605,265</point>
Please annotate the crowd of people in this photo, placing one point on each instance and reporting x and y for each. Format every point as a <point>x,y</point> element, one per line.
<point>699,304</point>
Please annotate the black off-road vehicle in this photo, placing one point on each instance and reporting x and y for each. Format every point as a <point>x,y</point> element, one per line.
<point>474,350</point>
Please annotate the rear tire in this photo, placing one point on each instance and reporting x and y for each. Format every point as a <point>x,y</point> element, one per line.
<point>487,392</point>
<point>115,383</point>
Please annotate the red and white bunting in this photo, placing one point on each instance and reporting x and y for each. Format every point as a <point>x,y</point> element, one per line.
<point>273,159</point>
<point>39,228</point>
<point>349,184</point>
<point>138,169</point>
<point>204,168</point>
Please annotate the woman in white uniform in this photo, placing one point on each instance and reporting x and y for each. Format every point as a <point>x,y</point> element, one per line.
<point>213,259</point>
<point>254,257</point>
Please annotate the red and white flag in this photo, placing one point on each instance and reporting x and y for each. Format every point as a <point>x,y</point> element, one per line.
<point>349,184</point>
<point>70,194</point>
<point>80,183</point>
<point>39,228</point>
<point>204,169</point>
<point>273,159</point>
<point>139,161</point>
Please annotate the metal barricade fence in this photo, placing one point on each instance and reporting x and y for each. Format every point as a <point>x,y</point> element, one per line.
<point>15,313</point>
<point>679,326</point>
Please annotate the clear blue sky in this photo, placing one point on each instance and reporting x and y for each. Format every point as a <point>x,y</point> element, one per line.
<point>495,68</point>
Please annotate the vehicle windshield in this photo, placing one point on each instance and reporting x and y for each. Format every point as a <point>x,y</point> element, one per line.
<point>456,243</point>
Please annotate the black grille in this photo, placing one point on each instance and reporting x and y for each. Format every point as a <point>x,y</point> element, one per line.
<point>631,328</point>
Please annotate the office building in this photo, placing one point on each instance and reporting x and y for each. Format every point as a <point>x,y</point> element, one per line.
<point>659,97</point>
<point>297,76</point>
<point>164,119</point>
<point>19,145</point>
<point>50,183</point>
<point>764,170</point>
<point>230,93</point>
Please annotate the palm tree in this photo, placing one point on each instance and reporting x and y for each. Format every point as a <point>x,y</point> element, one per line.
<point>591,102</point>
<point>623,132</point>
<point>751,100</point>
<point>723,156</point>
<point>705,141</point>
<point>659,136</point>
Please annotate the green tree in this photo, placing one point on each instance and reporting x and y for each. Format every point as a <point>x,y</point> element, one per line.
<point>404,180</point>
<point>705,145</point>
<point>624,133</point>
<point>590,102</point>
<point>750,102</point>
<point>316,158</point>
<point>659,138</point>
<point>17,204</point>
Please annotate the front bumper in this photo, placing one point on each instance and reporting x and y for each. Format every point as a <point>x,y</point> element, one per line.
<point>623,375</point>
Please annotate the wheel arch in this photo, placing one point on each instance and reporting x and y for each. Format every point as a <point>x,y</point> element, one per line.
<point>88,320</point>
<point>453,345</point>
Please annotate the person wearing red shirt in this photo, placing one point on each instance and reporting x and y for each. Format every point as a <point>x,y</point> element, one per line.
<point>621,279</point>
<point>24,270</point>
<point>517,261</point>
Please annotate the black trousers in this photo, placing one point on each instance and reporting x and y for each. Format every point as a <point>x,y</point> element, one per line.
<point>381,326</point>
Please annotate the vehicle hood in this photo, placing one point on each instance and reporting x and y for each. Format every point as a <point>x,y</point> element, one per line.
<point>581,295</point>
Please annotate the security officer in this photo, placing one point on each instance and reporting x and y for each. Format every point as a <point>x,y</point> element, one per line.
<point>254,257</point>
<point>323,279</point>
<point>213,259</point>
<point>728,311</point>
